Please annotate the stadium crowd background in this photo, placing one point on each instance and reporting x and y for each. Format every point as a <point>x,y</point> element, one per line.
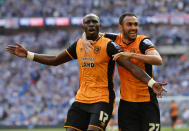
<point>32,93</point>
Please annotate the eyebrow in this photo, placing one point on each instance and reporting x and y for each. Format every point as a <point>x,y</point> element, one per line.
<point>132,22</point>
<point>91,20</point>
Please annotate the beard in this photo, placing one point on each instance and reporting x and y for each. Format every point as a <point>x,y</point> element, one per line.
<point>126,36</point>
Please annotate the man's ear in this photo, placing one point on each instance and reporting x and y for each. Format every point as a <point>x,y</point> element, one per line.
<point>83,27</point>
<point>120,27</point>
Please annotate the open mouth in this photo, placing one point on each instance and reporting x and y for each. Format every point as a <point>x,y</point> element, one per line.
<point>133,33</point>
<point>91,30</point>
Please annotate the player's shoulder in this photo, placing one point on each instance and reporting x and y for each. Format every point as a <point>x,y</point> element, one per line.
<point>112,34</point>
<point>106,38</point>
<point>147,41</point>
<point>114,45</point>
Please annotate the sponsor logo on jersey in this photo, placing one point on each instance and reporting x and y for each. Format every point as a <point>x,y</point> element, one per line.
<point>97,49</point>
<point>87,62</point>
<point>133,50</point>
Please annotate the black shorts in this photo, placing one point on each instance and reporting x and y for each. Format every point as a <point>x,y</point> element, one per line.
<point>173,118</point>
<point>81,115</point>
<point>138,116</point>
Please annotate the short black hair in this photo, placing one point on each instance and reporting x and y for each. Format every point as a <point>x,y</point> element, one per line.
<point>124,15</point>
<point>91,14</point>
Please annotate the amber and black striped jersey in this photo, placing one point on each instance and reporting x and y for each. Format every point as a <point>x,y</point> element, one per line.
<point>96,70</point>
<point>132,89</point>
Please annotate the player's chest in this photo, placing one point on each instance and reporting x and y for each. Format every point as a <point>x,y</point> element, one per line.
<point>95,57</point>
<point>133,48</point>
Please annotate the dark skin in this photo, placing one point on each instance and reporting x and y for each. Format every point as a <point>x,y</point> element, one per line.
<point>91,26</point>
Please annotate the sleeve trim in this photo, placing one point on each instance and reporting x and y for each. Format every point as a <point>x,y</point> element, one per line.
<point>69,54</point>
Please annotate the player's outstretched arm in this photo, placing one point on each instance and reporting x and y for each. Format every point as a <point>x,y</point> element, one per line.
<point>142,75</point>
<point>20,51</point>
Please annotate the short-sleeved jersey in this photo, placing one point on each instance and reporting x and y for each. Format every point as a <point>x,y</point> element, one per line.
<point>96,71</point>
<point>174,109</point>
<point>132,89</point>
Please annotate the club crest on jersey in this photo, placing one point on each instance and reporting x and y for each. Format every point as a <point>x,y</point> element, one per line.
<point>133,50</point>
<point>97,49</point>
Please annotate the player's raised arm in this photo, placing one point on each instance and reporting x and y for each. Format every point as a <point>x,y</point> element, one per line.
<point>20,51</point>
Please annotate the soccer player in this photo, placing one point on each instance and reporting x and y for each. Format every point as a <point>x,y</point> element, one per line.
<point>138,108</point>
<point>174,114</point>
<point>93,105</point>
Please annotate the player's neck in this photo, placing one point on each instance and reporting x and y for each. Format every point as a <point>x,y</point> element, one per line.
<point>96,38</point>
<point>127,41</point>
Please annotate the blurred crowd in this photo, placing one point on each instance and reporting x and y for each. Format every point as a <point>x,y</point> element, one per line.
<point>32,93</point>
<point>183,113</point>
<point>35,94</point>
<point>69,8</point>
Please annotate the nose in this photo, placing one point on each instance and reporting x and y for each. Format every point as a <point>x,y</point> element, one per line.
<point>133,27</point>
<point>91,23</point>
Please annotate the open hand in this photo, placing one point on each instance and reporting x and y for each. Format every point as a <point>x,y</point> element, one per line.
<point>158,88</point>
<point>17,50</point>
<point>87,45</point>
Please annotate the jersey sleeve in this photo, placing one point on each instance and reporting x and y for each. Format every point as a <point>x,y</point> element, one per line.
<point>145,45</point>
<point>111,36</point>
<point>112,48</point>
<point>71,50</point>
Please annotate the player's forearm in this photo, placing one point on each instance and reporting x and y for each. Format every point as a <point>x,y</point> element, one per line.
<point>63,57</point>
<point>134,69</point>
<point>149,59</point>
<point>45,59</point>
